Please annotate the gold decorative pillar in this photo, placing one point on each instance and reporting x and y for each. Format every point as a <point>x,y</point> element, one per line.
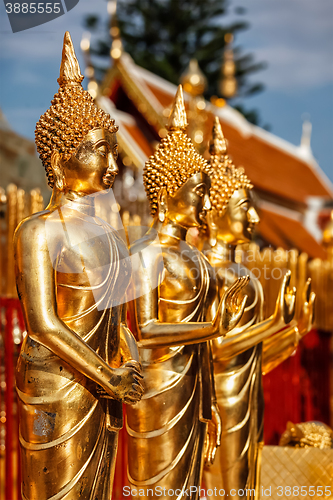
<point>228,83</point>
<point>195,83</point>
<point>321,273</point>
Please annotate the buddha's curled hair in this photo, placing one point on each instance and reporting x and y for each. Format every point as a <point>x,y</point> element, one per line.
<point>71,116</point>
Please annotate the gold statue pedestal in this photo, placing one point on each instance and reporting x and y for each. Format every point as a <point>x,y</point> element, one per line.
<point>288,472</point>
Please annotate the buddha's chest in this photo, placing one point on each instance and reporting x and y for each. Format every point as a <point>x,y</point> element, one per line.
<point>94,269</point>
<point>185,281</point>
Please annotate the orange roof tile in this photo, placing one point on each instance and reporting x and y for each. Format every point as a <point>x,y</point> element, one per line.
<point>280,230</point>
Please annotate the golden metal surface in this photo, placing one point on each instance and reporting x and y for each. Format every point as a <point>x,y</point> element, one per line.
<point>238,359</point>
<point>15,204</point>
<point>286,468</point>
<point>193,80</point>
<point>78,361</point>
<point>321,272</point>
<point>307,434</point>
<point>174,320</point>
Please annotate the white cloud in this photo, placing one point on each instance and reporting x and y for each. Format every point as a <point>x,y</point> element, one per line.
<point>295,38</point>
<point>292,68</point>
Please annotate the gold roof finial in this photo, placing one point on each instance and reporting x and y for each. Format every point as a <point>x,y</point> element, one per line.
<point>218,144</point>
<point>328,232</point>
<point>70,73</point>
<point>228,83</point>
<point>177,119</point>
<point>193,80</point>
<point>117,45</point>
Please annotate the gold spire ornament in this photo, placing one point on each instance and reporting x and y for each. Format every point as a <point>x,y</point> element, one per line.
<point>193,80</point>
<point>177,118</point>
<point>228,83</point>
<point>175,159</point>
<point>70,73</point>
<point>218,144</point>
<point>328,238</point>
<point>71,116</point>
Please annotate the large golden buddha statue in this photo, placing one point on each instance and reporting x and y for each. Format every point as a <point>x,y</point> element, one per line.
<point>78,361</point>
<point>238,359</point>
<point>174,321</point>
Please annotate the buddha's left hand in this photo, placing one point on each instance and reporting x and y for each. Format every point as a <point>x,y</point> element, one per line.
<point>213,437</point>
<point>285,305</point>
<point>306,317</point>
<point>232,305</point>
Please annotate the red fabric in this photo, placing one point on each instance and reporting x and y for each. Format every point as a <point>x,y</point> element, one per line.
<point>12,310</point>
<point>298,390</point>
<point>120,478</point>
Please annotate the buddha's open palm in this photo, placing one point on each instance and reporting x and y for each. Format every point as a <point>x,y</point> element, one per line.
<point>285,305</point>
<point>213,437</point>
<point>233,305</point>
<point>306,316</point>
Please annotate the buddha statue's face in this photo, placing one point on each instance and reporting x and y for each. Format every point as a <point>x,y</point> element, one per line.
<point>189,204</point>
<point>93,166</point>
<point>239,220</point>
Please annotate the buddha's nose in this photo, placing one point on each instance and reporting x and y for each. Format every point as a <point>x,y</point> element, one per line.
<point>112,164</point>
<point>207,204</point>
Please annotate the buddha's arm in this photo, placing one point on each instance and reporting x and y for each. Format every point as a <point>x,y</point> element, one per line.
<point>243,338</point>
<point>154,333</point>
<point>128,348</point>
<point>35,278</point>
<point>280,346</point>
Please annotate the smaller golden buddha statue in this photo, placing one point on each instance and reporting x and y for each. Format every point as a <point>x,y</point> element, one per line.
<point>79,361</point>
<point>167,429</point>
<point>238,358</point>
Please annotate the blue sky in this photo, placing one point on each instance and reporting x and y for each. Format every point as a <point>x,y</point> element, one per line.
<point>295,37</point>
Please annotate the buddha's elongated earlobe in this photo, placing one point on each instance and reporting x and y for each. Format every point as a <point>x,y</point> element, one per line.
<point>162,205</point>
<point>58,174</point>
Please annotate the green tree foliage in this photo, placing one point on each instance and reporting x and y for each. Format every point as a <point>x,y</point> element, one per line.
<point>163,35</point>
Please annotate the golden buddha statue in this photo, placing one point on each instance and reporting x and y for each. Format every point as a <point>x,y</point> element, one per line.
<point>174,321</point>
<point>238,359</point>
<point>78,361</point>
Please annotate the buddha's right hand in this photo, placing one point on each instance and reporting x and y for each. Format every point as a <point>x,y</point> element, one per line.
<point>286,301</point>
<point>306,317</point>
<point>232,305</point>
<point>125,384</point>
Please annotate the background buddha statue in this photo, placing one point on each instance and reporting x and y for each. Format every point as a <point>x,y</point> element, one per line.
<point>238,358</point>
<point>174,320</point>
<point>78,361</point>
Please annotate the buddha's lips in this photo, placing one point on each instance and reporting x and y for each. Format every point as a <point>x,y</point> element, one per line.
<point>109,178</point>
<point>203,216</point>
